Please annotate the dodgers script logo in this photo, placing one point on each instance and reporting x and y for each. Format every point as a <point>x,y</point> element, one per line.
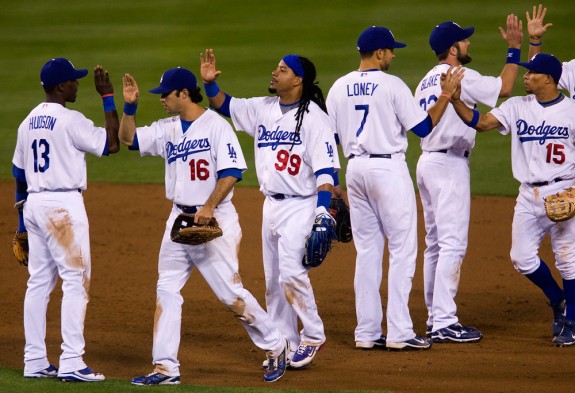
<point>185,148</point>
<point>276,137</point>
<point>541,133</point>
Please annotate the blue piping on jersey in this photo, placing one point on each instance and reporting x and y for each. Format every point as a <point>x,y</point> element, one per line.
<point>106,147</point>
<point>225,108</point>
<point>424,128</point>
<point>135,143</point>
<point>233,172</point>
<point>552,102</point>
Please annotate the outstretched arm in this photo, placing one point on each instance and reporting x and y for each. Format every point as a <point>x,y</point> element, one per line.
<point>536,28</point>
<point>128,122</point>
<point>106,90</point>
<point>513,35</point>
<point>209,74</point>
<point>450,83</point>
<point>472,117</point>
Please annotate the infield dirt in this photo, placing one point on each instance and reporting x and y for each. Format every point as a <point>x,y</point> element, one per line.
<point>126,226</point>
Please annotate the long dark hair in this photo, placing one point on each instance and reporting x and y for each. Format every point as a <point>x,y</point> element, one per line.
<point>311,92</point>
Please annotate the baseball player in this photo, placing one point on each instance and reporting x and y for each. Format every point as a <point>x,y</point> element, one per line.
<point>536,30</point>
<point>443,172</point>
<point>203,162</point>
<point>295,157</point>
<point>371,112</point>
<point>50,171</point>
<point>542,126</point>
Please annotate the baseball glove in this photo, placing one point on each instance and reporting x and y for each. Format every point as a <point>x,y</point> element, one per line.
<point>340,211</point>
<point>561,206</point>
<point>318,242</point>
<point>184,231</point>
<point>20,247</point>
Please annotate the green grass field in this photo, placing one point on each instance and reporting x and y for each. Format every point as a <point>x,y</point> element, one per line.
<point>145,38</point>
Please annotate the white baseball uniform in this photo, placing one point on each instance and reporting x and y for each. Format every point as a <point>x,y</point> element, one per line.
<point>567,80</point>
<point>371,111</point>
<point>192,162</point>
<point>444,188</point>
<point>51,148</point>
<point>285,165</point>
<point>543,161</point>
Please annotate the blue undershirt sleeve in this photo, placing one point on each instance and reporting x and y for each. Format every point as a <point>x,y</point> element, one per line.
<point>424,128</point>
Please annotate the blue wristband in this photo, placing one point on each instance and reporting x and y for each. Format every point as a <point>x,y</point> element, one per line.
<point>513,55</point>
<point>130,109</point>
<point>212,89</point>
<point>323,199</point>
<point>534,44</point>
<point>108,101</point>
<point>474,120</point>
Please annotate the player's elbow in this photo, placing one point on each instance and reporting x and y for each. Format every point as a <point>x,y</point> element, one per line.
<point>113,148</point>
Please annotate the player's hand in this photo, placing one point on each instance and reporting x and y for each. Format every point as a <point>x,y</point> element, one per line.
<point>514,33</point>
<point>102,81</point>
<point>535,26</point>
<point>131,92</point>
<point>204,215</point>
<point>451,80</point>
<point>208,68</point>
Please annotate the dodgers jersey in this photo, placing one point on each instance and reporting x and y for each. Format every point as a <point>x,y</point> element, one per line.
<point>567,80</point>
<point>52,145</point>
<point>542,144</point>
<point>371,111</point>
<point>286,162</point>
<point>193,158</point>
<point>451,132</point>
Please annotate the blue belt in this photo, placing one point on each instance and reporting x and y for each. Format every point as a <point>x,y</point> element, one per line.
<point>545,183</point>
<point>373,156</point>
<point>188,209</point>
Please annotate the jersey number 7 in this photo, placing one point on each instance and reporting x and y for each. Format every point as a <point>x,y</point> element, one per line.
<point>365,109</point>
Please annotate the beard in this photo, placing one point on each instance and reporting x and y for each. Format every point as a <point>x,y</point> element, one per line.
<point>272,90</point>
<point>463,59</point>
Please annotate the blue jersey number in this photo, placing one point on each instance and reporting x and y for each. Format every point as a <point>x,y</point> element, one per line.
<point>424,103</point>
<point>41,149</point>
<point>365,109</point>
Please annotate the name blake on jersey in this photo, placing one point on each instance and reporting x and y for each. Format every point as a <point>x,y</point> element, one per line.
<point>429,82</point>
<point>276,137</point>
<point>361,89</point>
<point>185,148</point>
<point>540,133</point>
<point>42,122</point>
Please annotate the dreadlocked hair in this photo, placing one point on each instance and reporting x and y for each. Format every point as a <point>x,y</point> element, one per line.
<point>311,92</point>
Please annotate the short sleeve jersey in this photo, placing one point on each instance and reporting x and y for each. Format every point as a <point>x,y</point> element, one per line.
<point>371,112</point>
<point>542,138</point>
<point>451,132</point>
<point>286,161</point>
<point>52,145</point>
<point>192,159</point>
<point>567,80</point>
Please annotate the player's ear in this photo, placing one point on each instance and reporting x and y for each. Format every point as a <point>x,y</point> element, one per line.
<point>298,80</point>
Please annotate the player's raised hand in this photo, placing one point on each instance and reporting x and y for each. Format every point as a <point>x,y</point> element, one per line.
<point>451,80</point>
<point>535,26</point>
<point>208,68</point>
<point>131,92</point>
<point>514,33</point>
<point>102,81</point>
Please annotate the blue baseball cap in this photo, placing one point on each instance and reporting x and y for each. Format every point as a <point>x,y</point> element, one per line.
<point>444,35</point>
<point>60,70</point>
<point>176,79</point>
<point>376,37</point>
<point>544,63</point>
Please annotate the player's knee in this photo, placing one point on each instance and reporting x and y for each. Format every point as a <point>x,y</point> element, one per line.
<point>524,264</point>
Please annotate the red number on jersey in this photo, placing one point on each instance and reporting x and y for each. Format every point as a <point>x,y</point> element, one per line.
<point>284,159</point>
<point>199,170</point>
<point>555,153</point>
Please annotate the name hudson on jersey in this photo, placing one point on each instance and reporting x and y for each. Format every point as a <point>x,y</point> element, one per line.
<point>540,133</point>
<point>46,122</point>
<point>276,137</point>
<point>185,148</point>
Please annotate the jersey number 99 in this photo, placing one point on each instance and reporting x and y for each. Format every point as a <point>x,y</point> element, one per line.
<point>292,163</point>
